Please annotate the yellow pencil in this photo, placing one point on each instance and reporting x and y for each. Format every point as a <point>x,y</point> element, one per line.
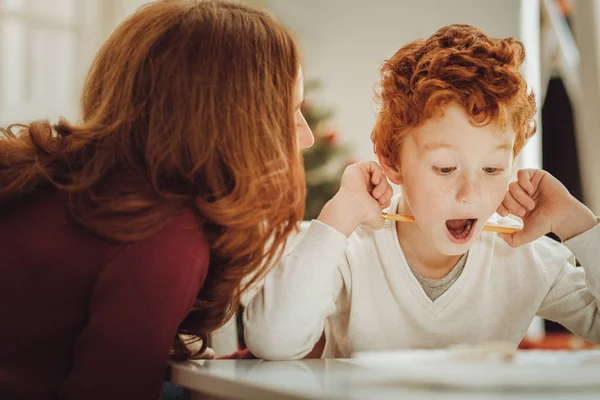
<point>489,228</point>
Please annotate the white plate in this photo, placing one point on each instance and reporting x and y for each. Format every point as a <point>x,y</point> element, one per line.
<point>528,370</point>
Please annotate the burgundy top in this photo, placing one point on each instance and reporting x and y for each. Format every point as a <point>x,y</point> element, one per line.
<point>86,318</point>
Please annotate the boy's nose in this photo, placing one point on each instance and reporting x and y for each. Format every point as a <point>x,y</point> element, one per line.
<point>468,191</point>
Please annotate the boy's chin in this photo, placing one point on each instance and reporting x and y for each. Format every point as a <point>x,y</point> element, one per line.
<point>452,249</point>
<point>456,252</point>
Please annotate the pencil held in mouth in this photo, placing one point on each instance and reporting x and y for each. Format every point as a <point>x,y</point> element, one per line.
<point>488,228</point>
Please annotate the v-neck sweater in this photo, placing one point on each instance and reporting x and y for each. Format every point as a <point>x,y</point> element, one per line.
<point>361,292</point>
<point>434,288</point>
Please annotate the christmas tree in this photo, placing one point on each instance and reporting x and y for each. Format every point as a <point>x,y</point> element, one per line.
<point>325,161</point>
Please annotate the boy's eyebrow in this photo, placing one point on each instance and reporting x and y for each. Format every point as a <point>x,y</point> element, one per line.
<point>436,146</point>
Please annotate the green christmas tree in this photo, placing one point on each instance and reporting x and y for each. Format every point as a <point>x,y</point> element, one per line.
<point>325,161</point>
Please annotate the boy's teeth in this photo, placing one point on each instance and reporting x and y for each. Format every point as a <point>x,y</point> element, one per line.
<point>460,228</point>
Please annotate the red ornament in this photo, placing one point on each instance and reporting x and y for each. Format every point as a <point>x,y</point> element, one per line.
<point>332,137</point>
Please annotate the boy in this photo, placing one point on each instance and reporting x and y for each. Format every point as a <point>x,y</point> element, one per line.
<point>455,113</point>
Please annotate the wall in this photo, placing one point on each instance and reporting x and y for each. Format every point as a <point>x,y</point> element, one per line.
<point>345,44</point>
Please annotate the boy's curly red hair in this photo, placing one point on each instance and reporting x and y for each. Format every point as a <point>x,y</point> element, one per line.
<point>457,64</point>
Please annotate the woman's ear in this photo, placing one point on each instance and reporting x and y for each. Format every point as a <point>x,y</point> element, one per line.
<point>390,169</point>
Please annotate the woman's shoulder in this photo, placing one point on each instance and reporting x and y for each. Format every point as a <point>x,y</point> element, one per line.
<point>181,239</point>
<point>174,260</point>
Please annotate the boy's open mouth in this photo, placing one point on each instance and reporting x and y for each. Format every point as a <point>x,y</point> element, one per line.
<point>460,230</point>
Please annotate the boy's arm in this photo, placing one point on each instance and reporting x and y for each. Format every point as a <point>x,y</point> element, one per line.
<point>574,298</point>
<point>286,317</point>
<point>545,205</point>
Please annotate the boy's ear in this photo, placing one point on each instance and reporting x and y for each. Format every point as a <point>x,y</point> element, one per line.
<point>390,170</point>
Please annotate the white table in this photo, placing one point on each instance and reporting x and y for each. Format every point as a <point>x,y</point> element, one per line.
<point>334,379</point>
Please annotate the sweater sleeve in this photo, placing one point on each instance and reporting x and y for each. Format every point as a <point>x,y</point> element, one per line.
<point>140,298</point>
<point>286,317</point>
<point>574,297</point>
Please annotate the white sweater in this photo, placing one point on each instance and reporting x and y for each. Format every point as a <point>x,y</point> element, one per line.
<point>363,294</point>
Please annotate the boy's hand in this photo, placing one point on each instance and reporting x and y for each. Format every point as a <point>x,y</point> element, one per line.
<point>363,193</point>
<point>545,205</point>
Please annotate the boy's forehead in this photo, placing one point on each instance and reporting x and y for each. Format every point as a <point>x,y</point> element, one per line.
<point>451,129</point>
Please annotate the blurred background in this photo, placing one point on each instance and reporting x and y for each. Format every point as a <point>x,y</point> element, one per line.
<point>46,47</point>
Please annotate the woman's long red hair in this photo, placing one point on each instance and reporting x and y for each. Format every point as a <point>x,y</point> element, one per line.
<point>188,105</point>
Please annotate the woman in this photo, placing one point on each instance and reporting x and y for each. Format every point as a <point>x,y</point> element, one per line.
<point>124,232</point>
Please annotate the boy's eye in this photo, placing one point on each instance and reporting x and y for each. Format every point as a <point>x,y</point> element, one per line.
<point>444,170</point>
<point>492,171</point>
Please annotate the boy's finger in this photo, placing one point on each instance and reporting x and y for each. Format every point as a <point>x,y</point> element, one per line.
<point>519,194</point>
<point>519,238</point>
<point>387,196</point>
<point>513,205</point>
<point>380,189</point>
<point>386,193</point>
<point>376,173</point>
<point>513,239</point>
<point>503,211</point>
<point>524,179</point>
<point>383,199</point>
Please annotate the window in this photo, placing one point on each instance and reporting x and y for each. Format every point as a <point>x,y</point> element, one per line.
<point>39,48</point>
